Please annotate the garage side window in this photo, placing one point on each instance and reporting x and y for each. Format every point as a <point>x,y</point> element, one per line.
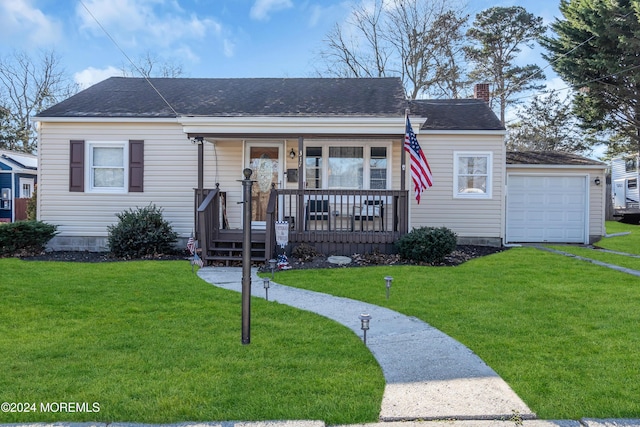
<point>472,175</point>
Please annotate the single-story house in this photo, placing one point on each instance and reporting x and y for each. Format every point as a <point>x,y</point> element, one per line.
<point>326,156</point>
<point>18,177</point>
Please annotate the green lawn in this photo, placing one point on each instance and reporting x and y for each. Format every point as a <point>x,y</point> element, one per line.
<point>563,333</point>
<point>152,343</point>
<point>629,243</point>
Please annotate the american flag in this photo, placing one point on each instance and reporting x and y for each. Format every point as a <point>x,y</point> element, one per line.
<point>420,170</point>
<point>191,244</point>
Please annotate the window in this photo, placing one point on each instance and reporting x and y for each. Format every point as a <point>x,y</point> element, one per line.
<point>351,165</point>
<point>106,167</point>
<point>107,171</point>
<point>630,164</point>
<point>472,175</point>
<point>26,187</point>
<point>378,168</point>
<point>346,167</point>
<point>313,167</point>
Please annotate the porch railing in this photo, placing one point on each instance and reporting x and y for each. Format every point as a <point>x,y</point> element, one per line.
<point>207,216</point>
<point>339,218</point>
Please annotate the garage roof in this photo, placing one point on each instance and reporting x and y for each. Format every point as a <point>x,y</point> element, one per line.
<point>549,158</point>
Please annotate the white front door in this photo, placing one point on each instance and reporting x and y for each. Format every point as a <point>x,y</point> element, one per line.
<point>620,193</point>
<point>265,160</point>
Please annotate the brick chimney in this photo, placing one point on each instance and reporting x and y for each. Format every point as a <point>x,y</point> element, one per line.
<point>481,91</point>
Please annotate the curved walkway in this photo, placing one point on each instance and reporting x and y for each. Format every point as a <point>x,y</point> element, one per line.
<point>428,374</point>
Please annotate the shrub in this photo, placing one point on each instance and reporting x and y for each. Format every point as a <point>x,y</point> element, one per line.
<point>427,244</point>
<point>305,252</point>
<point>141,233</point>
<point>25,237</point>
<point>32,205</point>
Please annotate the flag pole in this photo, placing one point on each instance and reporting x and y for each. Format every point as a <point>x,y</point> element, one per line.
<point>403,157</point>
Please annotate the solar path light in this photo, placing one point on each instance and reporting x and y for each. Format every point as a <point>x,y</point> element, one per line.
<point>272,265</point>
<point>265,282</point>
<point>388,279</point>
<point>364,325</point>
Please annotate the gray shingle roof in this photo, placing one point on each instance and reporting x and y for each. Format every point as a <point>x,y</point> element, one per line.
<point>135,97</point>
<point>455,114</point>
<point>549,158</point>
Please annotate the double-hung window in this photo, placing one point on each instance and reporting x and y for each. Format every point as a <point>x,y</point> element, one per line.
<point>107,171</point>
<point>472,175</point>
<point>347,166</point>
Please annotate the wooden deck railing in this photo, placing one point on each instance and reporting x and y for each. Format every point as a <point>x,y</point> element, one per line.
<point>355,219</point>
<point>334,221</point>
<point>207,216</point>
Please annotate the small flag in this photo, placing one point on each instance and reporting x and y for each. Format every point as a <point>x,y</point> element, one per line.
<point>191,244</point>
<point>197,260</point>
<point>420,170</point>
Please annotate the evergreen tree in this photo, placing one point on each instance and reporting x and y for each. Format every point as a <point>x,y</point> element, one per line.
<point>499,34</point>
<point>595,49</point>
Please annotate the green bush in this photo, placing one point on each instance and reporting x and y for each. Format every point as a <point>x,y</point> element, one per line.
<point>25,237</point>
<point>427,244</point>
<point>32,205</point>
<point>141,233</point>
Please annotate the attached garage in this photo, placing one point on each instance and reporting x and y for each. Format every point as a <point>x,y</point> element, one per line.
<point>554,198</point>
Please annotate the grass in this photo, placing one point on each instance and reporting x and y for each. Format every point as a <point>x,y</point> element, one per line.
<point>152,343</point>
<point>563,333</point>
<point>629,243</point>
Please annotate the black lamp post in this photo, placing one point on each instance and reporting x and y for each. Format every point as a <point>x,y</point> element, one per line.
<point>388,279</point>
<point>265,282</point>
<point>364,325</point>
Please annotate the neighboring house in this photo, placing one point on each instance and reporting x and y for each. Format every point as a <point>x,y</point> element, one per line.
<point>326,154</point>
<point>18,177</point>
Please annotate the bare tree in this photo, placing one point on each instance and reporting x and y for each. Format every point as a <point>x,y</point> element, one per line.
<point>417,40</point>
<point>150,65</point>
<point>27,86</point>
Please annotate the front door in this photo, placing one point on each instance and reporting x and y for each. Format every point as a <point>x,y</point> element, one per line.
<point>264,159</point>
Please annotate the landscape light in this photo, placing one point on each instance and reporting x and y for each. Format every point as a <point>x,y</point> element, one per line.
<point>272,265</point>
<point>364,325</point>
<point>389,279</point>
<point>265,282</point>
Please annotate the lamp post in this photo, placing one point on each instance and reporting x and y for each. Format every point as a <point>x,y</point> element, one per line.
<point>364,325</point>
<point>272,265</point>
<point>265,282</point>
<point>388,279</point>
<point>246,257</point>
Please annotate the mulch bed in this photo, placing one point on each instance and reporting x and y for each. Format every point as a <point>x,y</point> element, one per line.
<point>462,254</point>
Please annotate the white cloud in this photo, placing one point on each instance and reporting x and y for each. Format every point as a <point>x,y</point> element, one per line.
<point>148,22</point>
<point>26,25</point>
<point>91,76</point>
<point>261,9</point>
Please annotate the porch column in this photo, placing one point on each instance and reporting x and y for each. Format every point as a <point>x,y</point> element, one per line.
<point>300,154</point>
<point>200,141</point>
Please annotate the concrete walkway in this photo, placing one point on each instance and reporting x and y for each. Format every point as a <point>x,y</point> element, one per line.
<point>429,375</point>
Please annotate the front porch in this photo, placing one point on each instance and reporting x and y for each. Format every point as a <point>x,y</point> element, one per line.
<point>335,222</point>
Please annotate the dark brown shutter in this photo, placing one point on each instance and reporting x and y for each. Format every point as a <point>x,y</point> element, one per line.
<point>76,166</point>
<point>136,166</point>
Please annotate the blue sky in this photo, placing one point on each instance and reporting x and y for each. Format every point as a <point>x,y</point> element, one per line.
<point>209,38</point>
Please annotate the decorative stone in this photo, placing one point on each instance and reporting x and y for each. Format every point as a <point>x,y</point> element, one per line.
<point>340,260</point>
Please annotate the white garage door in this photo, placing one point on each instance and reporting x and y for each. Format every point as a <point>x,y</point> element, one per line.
<point>546,209</point>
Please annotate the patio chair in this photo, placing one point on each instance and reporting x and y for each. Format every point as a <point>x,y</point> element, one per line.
<point>370,211</point>
<point>317,215</point>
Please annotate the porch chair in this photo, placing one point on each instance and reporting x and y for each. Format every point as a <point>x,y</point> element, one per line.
<point>370,211</point>
<point>318,212</point>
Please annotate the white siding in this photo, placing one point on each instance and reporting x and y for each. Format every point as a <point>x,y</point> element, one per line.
<point>475,219</point>
<point>170,174</point>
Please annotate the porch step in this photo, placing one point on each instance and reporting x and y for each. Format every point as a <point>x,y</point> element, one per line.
<point>230,250</point>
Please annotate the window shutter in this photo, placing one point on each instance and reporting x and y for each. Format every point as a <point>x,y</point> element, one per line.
<point>136,166</point>
<point>76,166</point>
